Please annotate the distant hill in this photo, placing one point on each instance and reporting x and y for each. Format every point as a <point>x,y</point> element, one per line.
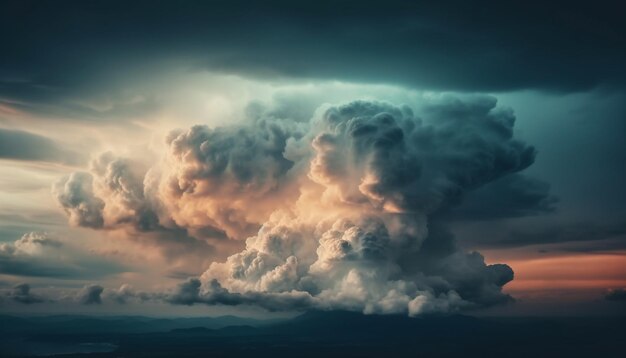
<point>312,334</point>
<point>117,324</point>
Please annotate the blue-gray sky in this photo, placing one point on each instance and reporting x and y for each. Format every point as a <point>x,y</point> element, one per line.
<point>142,143</point>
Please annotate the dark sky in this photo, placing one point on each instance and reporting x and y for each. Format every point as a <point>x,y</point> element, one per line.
<point>89,89</point>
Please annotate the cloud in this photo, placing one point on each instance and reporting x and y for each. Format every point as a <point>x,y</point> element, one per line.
<point>75,194</point>
<point>617,294</point>
<point>90,294</point>
<point>358,237</point>
<point>189,293</point>
<point>567,233</point>
<point>126,293</point>
<point>226,176</point>
<point>28,256</point>
<point>343,211</point>
<point>21,293</point>
<point>117,195</point>
<point>405,165</point>
<point>502,47</point>
<point>20,145</point>
<point>39,254</point>
<point>511,196</point>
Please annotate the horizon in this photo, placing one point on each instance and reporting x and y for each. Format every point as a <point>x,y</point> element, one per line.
<point>264,160</point>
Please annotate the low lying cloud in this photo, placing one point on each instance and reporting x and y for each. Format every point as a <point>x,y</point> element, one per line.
<point>21,293</point>
<point>616,294</point>
<point>90,295</point>
<point>40,254</point>
<point>31,255</point>
<point>346,211</point>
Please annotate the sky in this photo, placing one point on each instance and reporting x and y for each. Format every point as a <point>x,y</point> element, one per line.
<point>397,157</point>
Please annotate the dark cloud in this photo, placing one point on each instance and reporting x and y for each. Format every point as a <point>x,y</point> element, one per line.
<point>189,293</point>
<point>21,293</point>
<point>57,50</point>
<point>512,196</point>
<point>553,233</point>
<point>617,294</point>
<point>33,267</point>
<point>567,233</point>
<point>413,164</point>
<point>20,145</point>
<point>90,294</point>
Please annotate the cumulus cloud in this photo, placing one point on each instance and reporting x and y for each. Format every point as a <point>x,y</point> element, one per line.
<point>112,196</point>
<point>112,193</point>
<point>127,293</point>
<point>382,154</point>
<point>345,211</point>
<point>21,293</point>
<point>226,177</point>
<point>75,194</point>
<point>595,236</point>
<point>90,294</point>
<point>192,291</point>
<point>30,244</point>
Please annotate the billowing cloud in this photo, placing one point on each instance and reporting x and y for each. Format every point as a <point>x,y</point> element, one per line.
<point>90,295</point>
<point>112,196</point>
<point>384,155</point>
<point>341,212</point>
<point>75,194</point>
<point>228,177</point>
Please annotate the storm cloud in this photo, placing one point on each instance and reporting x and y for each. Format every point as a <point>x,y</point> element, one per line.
<point>340,212</point>
<point>348,210</point>
<point>55,53</point>
<point>512,196</point>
